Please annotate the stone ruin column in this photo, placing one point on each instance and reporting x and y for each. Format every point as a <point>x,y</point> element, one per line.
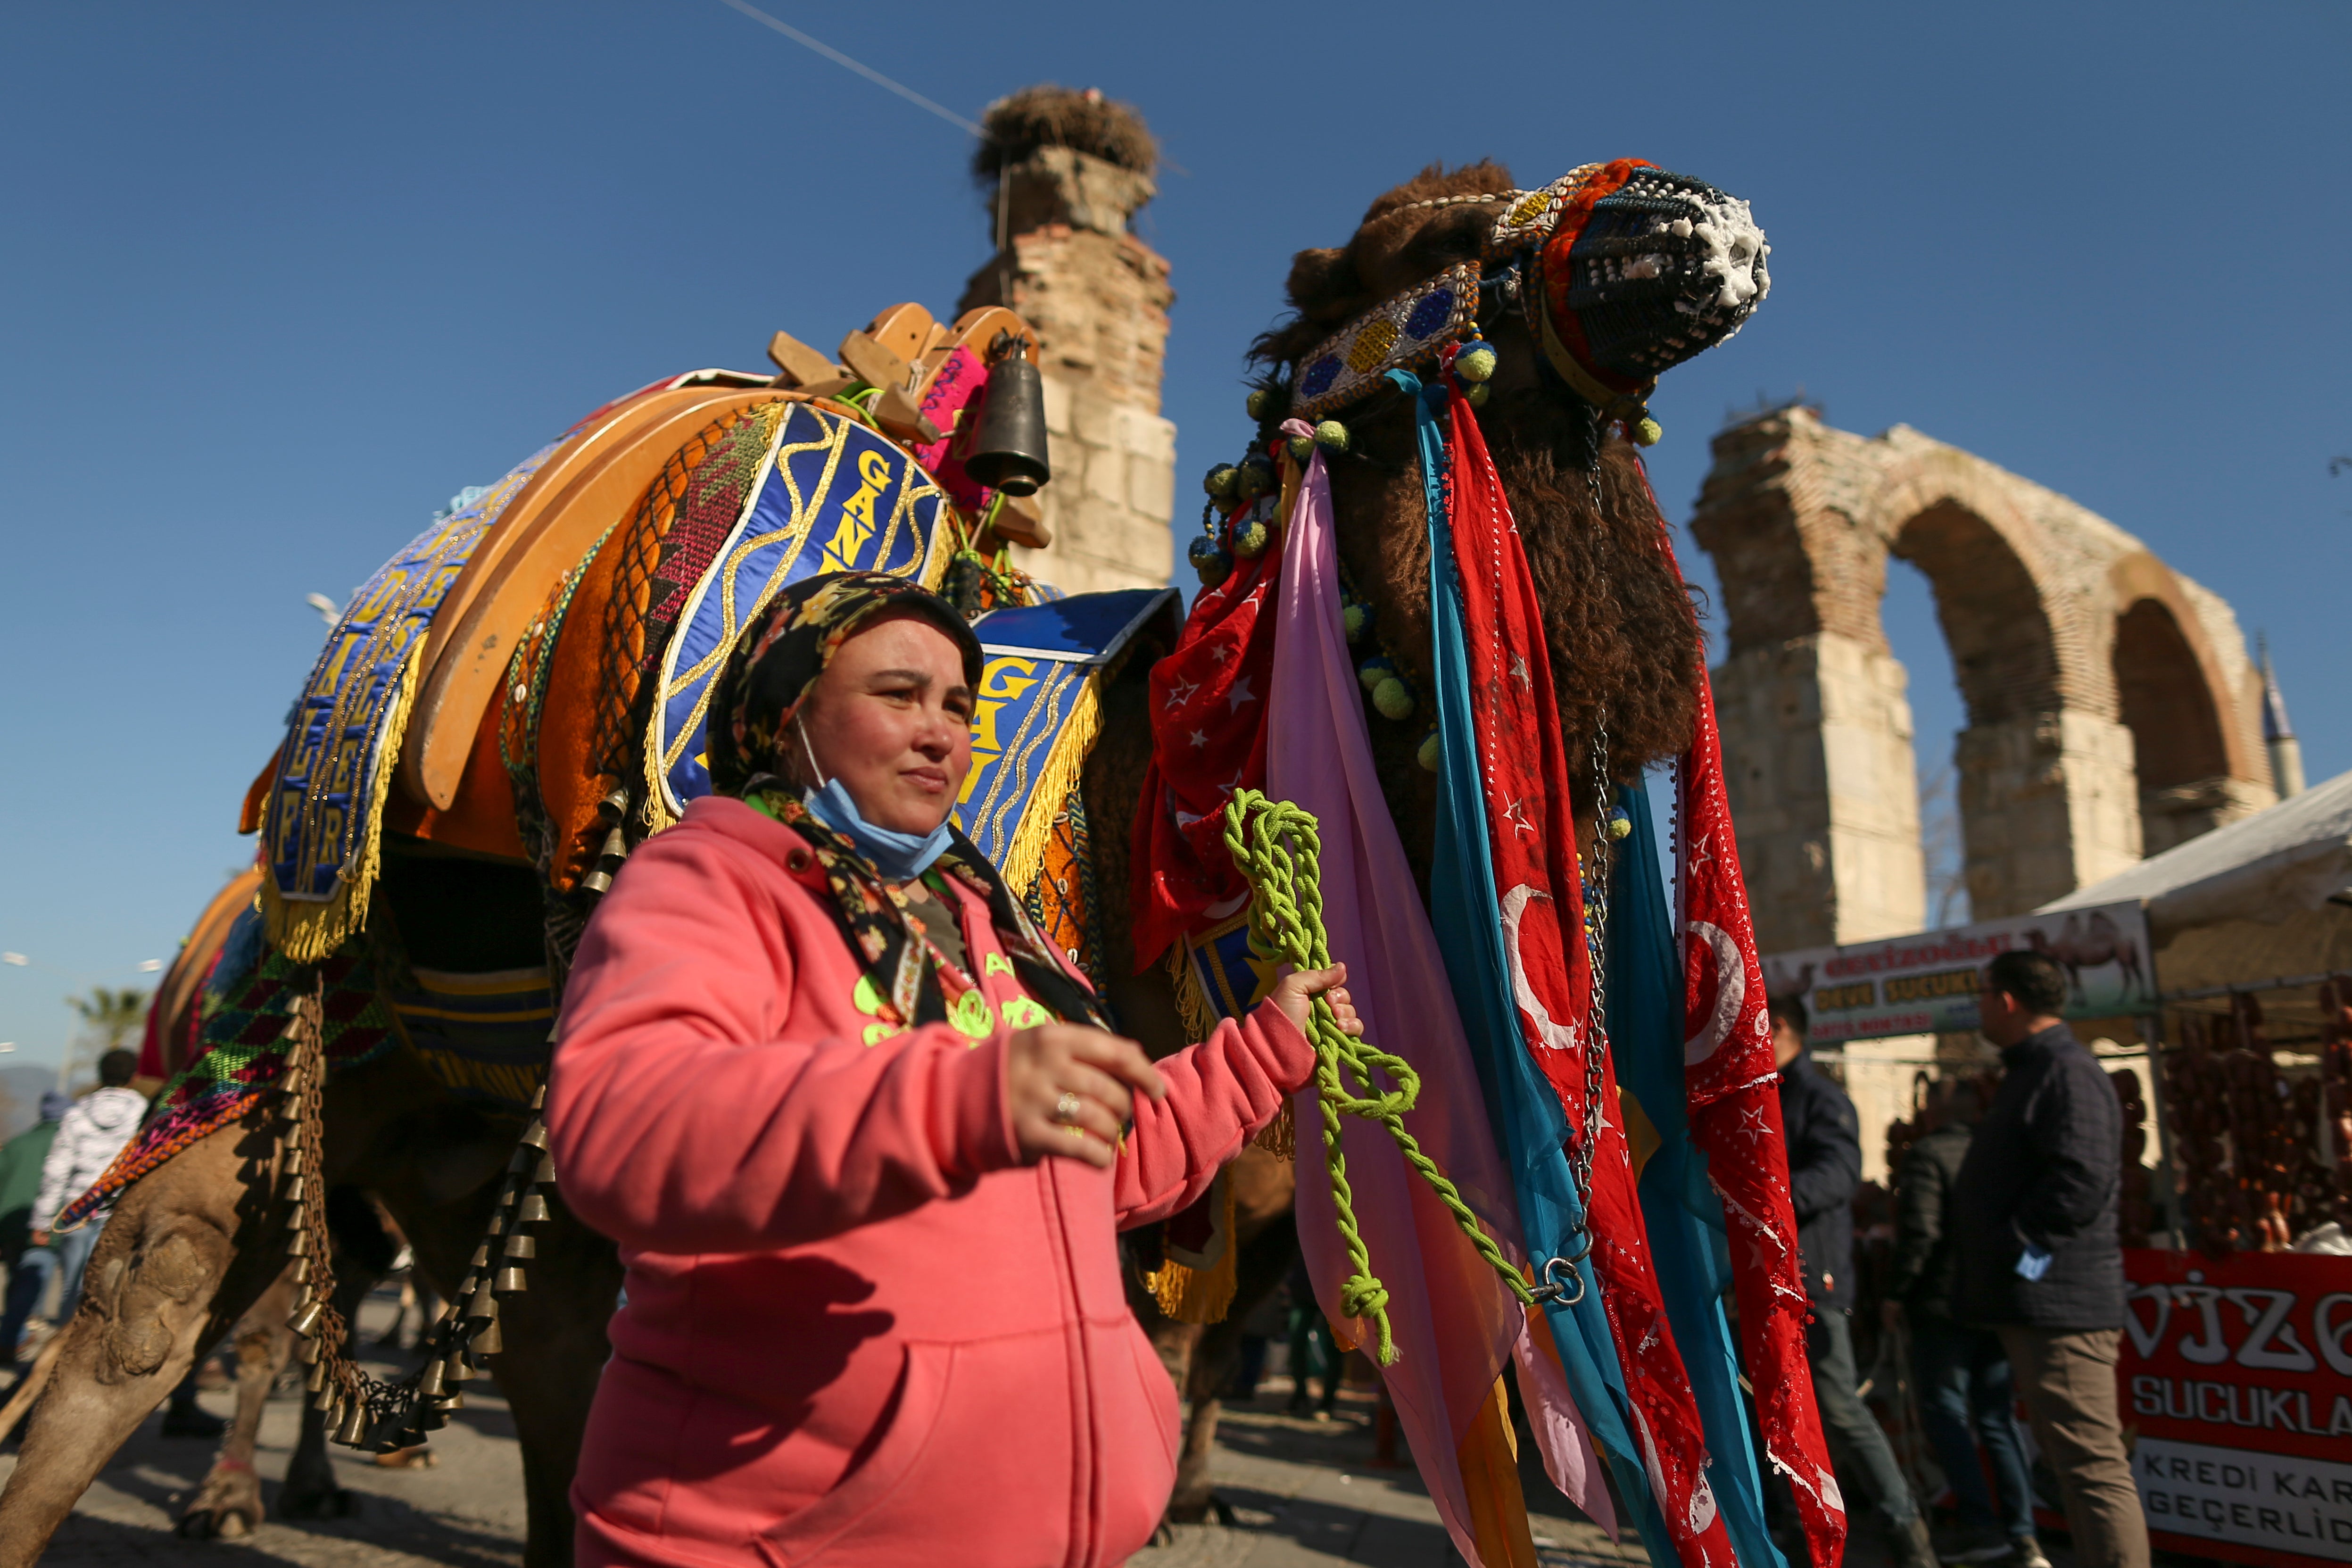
<point>1065,171</point>
<point>1814,708</point>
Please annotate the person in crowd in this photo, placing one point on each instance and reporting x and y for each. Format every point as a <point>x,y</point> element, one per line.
<point>866,1143</point>
<point>2033,1219</point>
<point>1824,1170</point>
<point>30,1268</point>
<point>88,1138</point>
<point>1961,1373</point>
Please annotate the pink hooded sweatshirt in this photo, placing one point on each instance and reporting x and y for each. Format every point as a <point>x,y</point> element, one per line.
<point>857,1331</point>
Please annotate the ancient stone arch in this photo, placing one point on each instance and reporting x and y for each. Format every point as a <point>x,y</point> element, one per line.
<point>2112,710</point>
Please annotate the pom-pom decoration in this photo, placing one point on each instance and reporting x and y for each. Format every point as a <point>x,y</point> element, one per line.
<point>1620,823</point>
<point>1476,396</point>
<point>1429,753</point>
<point>1257,479</point>
<point>1260,402</point>
<point>1647,432</point>
<point>1476,362</point>
<point>1209,560</point>
<point>1375,669</point>
<point>1393,697</point>
<point>1331,436</point>
<point>1251,536</point>
<point>1221,481</point>
<point>1354,619</point>
<point>1301,448</point>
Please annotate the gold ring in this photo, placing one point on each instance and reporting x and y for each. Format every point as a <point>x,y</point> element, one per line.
<point>1066,1108</point>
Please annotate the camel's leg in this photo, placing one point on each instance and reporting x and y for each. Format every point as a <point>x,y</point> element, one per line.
<point>228,1502</point>
<point>166,1280</point>
<point>1264,1262</point>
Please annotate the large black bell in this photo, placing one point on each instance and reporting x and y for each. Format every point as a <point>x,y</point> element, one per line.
<point>1008,449</point>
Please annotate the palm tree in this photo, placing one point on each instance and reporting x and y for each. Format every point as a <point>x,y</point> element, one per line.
<point>109,1018</point>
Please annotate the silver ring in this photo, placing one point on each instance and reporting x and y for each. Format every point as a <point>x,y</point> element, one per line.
<point>1066,1108</point>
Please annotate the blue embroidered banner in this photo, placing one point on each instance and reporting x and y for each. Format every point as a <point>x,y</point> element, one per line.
<point>1034,716</point>
<point>834,496</point>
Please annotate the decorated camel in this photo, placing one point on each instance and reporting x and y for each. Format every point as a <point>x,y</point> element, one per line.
<point>1549,313</point>
<point>516,702</point>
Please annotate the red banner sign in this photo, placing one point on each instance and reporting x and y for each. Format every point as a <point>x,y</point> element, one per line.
<point>2236,1380</point>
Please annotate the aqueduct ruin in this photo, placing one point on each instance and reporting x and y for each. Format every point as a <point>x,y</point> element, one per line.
<point>2111,710</point>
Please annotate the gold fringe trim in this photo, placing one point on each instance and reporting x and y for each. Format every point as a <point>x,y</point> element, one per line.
<point>307,932</point>
<point>1192,1009</point>
<point>1188,1295</point>
<point>1025,856</point>
<point>1279,1137</point>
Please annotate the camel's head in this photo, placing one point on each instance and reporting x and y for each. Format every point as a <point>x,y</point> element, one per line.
<point>1585,290</point>
<point>1589,289</point>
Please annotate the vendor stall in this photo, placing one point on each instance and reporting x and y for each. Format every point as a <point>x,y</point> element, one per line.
<point>2222,970</point>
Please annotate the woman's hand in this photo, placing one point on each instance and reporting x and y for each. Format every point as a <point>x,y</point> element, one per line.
<point>1295,993</point>
<point>1070,1089</point>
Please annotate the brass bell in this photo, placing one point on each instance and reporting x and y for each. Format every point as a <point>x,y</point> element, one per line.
<point>1008,449</point>
<point>489,1341</point>
<point>545,1172</point>
<point>521,1246</point>
<point>355,1424</point>
<point>534,1209</point>
<point>428,1383</point>
<point>511,1282</point>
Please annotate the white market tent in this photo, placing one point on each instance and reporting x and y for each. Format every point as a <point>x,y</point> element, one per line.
<point>2265,899</point>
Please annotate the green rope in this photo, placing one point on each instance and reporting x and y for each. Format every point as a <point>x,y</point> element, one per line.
<point>1280,853</point>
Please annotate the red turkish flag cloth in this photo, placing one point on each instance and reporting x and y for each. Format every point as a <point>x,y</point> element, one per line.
<point>1532,832</point>
<point>1734,1120</point>
<point>1208,739</point>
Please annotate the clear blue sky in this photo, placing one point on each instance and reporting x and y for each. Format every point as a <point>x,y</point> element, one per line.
<point>280,278</point>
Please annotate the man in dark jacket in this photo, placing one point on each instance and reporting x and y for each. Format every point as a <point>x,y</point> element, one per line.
<point>2033,1216</point>
<point>1824,1170</point>
<point>1960,1371</point>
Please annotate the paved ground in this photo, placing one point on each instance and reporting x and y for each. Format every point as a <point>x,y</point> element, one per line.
<point>1302,1494</point>
<point>466,1511</point>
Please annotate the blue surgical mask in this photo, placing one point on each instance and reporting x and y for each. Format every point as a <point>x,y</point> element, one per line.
<point>899,857</point>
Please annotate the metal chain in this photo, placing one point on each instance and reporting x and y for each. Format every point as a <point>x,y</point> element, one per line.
<point>363,1411</point>
<point>1569,1290</point>
<point>1596,1029</point>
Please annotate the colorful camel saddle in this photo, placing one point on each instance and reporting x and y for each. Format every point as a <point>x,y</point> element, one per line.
<point>828,494</point>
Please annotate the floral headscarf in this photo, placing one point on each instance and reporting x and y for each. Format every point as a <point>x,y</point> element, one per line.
<point>778,658</point>
<point>776,662</point>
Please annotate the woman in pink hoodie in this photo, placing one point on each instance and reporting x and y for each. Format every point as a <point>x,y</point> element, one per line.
<point>865,1145</point>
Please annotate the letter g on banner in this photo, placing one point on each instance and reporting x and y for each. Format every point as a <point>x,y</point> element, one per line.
<point>1714,957</point>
